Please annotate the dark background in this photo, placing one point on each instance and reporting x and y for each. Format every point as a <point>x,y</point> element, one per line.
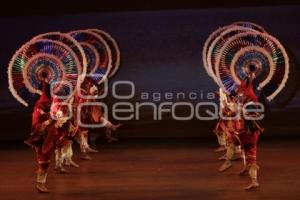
<point>161,46</point>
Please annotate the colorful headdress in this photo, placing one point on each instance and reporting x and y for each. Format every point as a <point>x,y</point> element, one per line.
<point>97,52</point>
<point>38,60</point>
<point>63,60</point>
<point>234,52</point>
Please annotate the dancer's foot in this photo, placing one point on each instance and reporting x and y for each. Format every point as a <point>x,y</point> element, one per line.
<point>41,188</point>
<point>85,156</point>
<point>73,164</point>
<point>224,157</point>
<point>253,185</point>
<point>220,149</point>
<point>226,165</point>
<point>90,150</point>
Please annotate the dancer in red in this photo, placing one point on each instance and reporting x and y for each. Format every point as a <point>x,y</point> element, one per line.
<point>54,137</point>
<point>245,132</point>
<point>86,92</point>
<point>63,154</point>
<point>232,128</point>
<point>40,120</point>
<point>250,136</point>
<point>47,134</point>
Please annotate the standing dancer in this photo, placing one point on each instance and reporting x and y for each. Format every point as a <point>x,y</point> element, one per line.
<point>46,135</point>
<point>54,136</point>
<point>229,109</point>
<point>232,128</point>
<point>63,155</point>
<point>86,90</point>
<point>250,136</point>
<point>244,132</point>
<point>220,127</point>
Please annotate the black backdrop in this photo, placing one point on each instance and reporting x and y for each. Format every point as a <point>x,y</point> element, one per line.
<point>161,52</point>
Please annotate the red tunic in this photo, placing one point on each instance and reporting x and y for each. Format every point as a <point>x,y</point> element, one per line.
<point>248,91</point>
<point>42,105</point>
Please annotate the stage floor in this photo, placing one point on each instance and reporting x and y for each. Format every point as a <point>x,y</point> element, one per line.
<point>155,170</point>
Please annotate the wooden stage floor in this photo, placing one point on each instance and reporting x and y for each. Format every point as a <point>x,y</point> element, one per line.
<point>164,170</point>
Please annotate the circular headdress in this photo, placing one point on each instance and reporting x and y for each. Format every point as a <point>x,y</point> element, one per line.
<point>114,48</point>
<point>216,34</point>
<point>253,52</point>
<point>76,48</point>
<point>217,44</point>
<point>42,59</point>
<point>97,51</point>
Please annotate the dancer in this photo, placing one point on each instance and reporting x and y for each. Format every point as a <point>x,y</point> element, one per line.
<point>250,136</point>
<point>47,134</point>
<point>40,119</point>
<point>245,132</point>
<point>54,135</point>
<point>86,89</point>
<point>229,109</point>
<point>220,127</point>
<point>232,128</point>
<point>63,155</point>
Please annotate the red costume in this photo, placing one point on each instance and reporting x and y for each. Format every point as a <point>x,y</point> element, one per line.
<point>47,134</point>
<point>250,135</point>
<point>84,115</point>
<point>39,116</point>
